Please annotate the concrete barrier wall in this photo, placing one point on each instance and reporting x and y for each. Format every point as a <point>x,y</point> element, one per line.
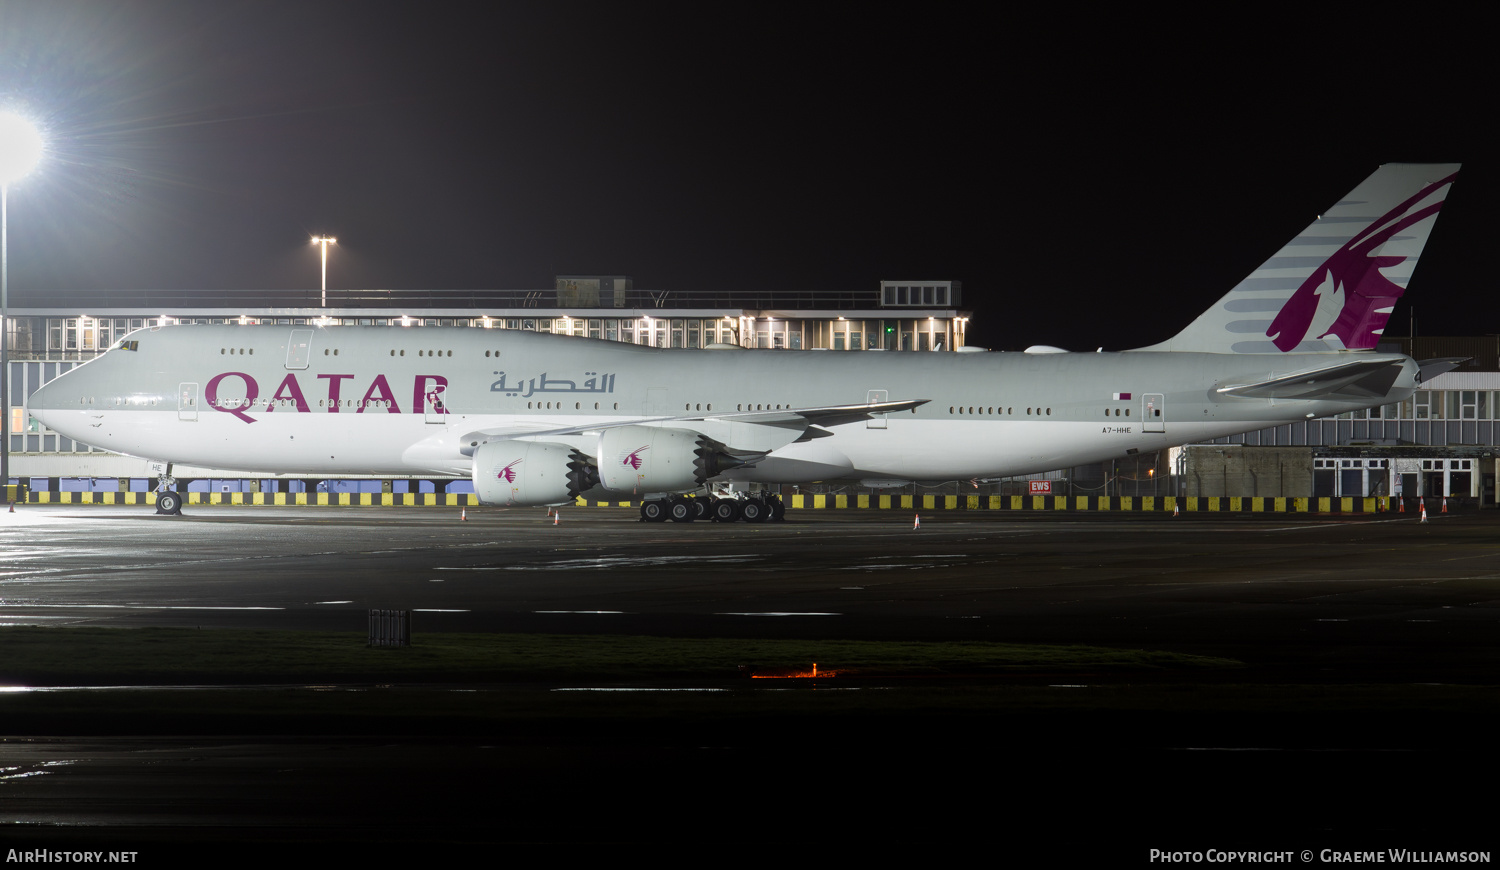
<point>1249,472</point>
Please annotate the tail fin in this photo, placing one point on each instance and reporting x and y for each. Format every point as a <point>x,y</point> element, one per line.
<point>1333,286</point>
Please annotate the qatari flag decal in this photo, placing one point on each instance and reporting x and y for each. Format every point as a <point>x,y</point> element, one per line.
<point>1122,397</point>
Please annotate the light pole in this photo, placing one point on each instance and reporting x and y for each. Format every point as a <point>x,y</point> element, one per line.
<point>324,242</point>
<point>20,149</point>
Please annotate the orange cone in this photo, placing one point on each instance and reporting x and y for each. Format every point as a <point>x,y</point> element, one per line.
<point>1402,503</point>
<point>1445,504</point>
<point>916,522</point>
<point>1424,510</point>
<point>463,514</point>
<point>1175,511</point>
<point>556,515</point>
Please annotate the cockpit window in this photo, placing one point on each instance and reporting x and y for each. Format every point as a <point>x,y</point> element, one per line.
<point>123,344</point>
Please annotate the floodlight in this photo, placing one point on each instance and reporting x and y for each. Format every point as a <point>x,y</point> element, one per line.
<point>20,147</point>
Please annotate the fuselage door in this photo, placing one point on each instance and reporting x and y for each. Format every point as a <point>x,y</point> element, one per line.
<point>1153,413</point>
<point>434,402</point>
<point>876,421</point>
<point>299,349</point>
<point>187,402</point>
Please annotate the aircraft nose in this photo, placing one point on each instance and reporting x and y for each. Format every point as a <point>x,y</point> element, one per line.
<point>41,401</point>
<point>49,401</point>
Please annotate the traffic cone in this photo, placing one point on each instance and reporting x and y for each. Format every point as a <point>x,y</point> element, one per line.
<point>463,514</point>
<point>1445,504</point>
<point>1402,503</point>
<point>1175,511</point>
<point>1424,510</point>
<point>556,515</point>
<point>916,522</point>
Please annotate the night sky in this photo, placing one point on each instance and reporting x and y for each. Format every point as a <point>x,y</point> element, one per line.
<point>1091,181</point>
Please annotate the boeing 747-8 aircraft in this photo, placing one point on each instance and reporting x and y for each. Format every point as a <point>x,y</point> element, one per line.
<point>540,419</point>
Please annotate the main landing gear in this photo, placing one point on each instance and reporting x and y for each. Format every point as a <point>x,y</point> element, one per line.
<point>687,509</point>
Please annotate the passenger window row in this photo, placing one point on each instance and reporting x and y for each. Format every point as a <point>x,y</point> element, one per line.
<point>997,411</point>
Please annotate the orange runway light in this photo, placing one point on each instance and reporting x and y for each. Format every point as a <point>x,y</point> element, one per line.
<point>792,675</point>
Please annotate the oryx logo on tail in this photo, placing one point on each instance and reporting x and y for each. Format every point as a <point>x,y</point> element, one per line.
<point>1348,296</point>
<point>1333,286</point>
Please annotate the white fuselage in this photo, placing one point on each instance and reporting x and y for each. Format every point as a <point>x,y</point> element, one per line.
<point>385,400</point>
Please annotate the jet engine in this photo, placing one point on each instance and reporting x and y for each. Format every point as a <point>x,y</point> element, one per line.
<point>531,473</point>
<point>648,459</point>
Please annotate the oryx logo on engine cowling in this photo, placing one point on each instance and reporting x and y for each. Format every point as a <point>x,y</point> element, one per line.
<point>508,473</point>
<point>633,458</point>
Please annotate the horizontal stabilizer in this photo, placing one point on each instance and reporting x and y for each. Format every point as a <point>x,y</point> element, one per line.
<point>1431,368</point>
<point>1370,378</point>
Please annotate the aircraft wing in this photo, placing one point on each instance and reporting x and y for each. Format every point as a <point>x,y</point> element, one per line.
<point>829,415</point>
<point>1361,378</point>
<point>746,430</point>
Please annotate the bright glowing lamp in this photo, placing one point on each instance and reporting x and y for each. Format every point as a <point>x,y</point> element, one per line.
<point>20,147</point>
<point>324,242</point>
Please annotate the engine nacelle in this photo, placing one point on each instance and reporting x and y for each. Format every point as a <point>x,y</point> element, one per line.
<point>531,473</point>
<point>650,459</point>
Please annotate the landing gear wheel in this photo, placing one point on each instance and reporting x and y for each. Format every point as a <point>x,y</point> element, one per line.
<point>653,511</point>
<point>726,510</point>
<point>778,509</point>
<point>702,508</point>
<point>168,503</point>
<point>754,511</point>
<point>682,510</point>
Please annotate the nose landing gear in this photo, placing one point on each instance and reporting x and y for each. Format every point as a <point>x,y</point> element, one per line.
<point>168,502</point>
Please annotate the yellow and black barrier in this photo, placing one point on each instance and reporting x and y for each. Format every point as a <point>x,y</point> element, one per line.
<point>286,499</point>
<point>289,499</point>
<point>1100,503</point>
<point>1079,503</point>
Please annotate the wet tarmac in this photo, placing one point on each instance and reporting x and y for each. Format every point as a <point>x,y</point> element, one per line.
<point>1342,601</point>
<point>1304,590</point>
